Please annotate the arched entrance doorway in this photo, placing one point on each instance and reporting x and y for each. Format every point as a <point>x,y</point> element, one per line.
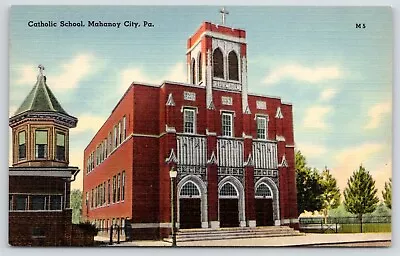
<point>228,206</point>
<point>264,206</point>
<point>189,206</point>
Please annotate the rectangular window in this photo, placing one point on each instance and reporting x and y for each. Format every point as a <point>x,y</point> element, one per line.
<point>124,127</point>
<point>21,202</point>
<point>87,198</point>
<point>105,148</point>
<point>56,202</point>
<point>109,143</point>
<point>108,192</point>
<point>10,202</point>
<point>40,144</point>
<point>123,187</point>
<point>114,189</point>
<point>38,202</point>
<point>115,136</point>
<point>189,121</point>
<point>118,187</point>
<point>104,193</point>
<point>227,124</point>
<point>22,145</point>
<point>120,132</point>
<point>261,127</point>
<point>60,146</point>
<point>92,199</point>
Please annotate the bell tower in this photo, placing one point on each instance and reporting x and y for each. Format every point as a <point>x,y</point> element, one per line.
<point>216,60</point>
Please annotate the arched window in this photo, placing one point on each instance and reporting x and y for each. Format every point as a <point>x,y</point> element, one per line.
<point>263,190</point>
<point>200,64</point>
<point>189,190</point>
<point>228,190</point>
<point>193,66</point>
<point>233,66</point>
<point>218,63</point>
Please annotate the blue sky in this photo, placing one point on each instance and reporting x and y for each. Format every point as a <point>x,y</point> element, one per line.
<point>338,77</point>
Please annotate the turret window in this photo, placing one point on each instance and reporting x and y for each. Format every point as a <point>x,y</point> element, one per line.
<point>22,145</point>
<point>218,63</point>
<point>41,144</point>
<point>233,66</point>
<point>60,147</point>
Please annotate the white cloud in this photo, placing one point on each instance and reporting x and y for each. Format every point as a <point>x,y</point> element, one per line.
<point>72,72</point>
<point>87,122</point>
<point>376,113</point>
<point>328,94</point>
<point>310,150</point>
<point>302,73</point>
<point>349,159</point>
<point>26,74</point>
<point>176,73</point>
<point>76,159</point>
<point>315,117</point>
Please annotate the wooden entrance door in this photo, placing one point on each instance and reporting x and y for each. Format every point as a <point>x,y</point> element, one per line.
<point>228,213</point>
<point>264,212</point>
<point>190,213</point>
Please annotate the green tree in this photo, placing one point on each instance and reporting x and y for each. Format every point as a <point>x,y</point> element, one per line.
<point>331,192</point>
<point>309,190</point>
<point>360,194</point>
<point>76,205</point>
<point>387,194</point>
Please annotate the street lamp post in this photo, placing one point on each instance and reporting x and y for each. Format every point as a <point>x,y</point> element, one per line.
<point>172,175</point>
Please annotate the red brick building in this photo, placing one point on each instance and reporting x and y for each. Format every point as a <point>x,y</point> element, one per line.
<point>233,150</point>
<point>39,179</point>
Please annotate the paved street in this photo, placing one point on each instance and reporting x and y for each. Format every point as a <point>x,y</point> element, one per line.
<point>373,239</point>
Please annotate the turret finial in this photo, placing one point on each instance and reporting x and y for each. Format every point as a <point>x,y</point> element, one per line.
<point>41,69</point>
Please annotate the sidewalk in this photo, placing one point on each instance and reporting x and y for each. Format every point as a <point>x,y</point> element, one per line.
<point>308,239</point>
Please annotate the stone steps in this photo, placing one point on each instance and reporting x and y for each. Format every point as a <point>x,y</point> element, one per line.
<point>187,235</point>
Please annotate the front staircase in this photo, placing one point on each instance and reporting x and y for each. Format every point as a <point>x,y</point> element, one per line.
<point>186,235</point>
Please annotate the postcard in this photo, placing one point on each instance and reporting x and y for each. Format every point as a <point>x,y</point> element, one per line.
<point>200,126</point>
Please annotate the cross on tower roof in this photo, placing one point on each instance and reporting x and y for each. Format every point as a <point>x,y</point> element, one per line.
<point>223,13</point>
<point>41,68</point>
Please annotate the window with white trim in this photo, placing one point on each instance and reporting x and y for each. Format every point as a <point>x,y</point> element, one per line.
<point>189,189</point>
<point>124,127</point>
<point>261,127</point>
<point>189,120</point>
<point>263,190</point>
<point>22,145</point>
<point>123,187</point>
<point>228,190</point>
<point>227,124</point>
<point>41,144</point>
<point>120,140</point>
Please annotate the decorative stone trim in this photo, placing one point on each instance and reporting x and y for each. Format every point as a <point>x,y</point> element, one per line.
<point>172,158</point>
<point>280,138</point>
<point>170,101</point>
<point>279,114</point>
<point>251,223</point>
<point>261,104</point>
<point>226,100</point>
<point>189,96</point>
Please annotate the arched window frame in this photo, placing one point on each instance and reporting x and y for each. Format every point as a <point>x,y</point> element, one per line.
<point>193,70</point>
<point>228,196</point>
<point>189,183</point>
<point>199,68</point>
<point>270,196</point>
<point>237,66</point>
<point>221,64</point>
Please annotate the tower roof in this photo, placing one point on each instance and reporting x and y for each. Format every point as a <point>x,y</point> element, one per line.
<point>40,99</point>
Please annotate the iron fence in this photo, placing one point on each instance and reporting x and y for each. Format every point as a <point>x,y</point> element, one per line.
<point>345,224</point>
